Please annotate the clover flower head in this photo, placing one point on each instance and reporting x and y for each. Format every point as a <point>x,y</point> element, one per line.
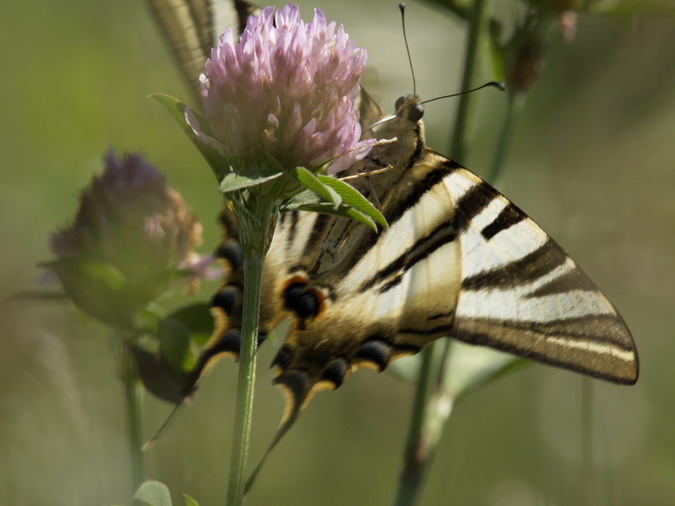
<point>287,89</point>
<point>129,218</point>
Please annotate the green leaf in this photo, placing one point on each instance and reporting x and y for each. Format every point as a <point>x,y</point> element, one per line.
<point>471,367</point>
<point>153,493</point>
<point>189,501</point>
<point>312,182</point>
<point>177,109</point>
<point>178,331</point>
<point>298,200</point>
<point>467,368</point>
<point>344,211</point>
<point>157,376</point>
<point>251,177</point>
<point>175,344</point>
<point>353,198</point>
<point>198,319</point>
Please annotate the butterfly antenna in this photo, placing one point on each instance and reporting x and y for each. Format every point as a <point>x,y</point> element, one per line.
<point>494,84</point>
<point>150,444</point>
<point>401,6</point>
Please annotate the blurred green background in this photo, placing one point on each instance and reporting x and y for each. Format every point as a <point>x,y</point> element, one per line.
<point>593,161</point>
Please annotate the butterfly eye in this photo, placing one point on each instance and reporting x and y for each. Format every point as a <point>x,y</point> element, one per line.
<point>399,103</point>
<point>416,113</point>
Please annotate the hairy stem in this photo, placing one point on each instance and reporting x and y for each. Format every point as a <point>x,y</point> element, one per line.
<point>255,234</point>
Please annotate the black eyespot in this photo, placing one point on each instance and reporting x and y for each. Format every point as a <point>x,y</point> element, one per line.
<point>283,358</point>
<point>399,102</point>
<point>226,298</point>
<point>230,250</point>
<point>301,301</point>
<point>336,371</point>
<point>416,113</point>
<point>375,351</point>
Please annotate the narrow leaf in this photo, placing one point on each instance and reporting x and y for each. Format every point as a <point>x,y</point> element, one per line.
<point>189,501</point>
<point>312,182</point>
<point>153,493</point>
<point>353,198</point>
<point>344,211</point>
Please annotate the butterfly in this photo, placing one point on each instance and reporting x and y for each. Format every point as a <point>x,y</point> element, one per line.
<point>458,260</point>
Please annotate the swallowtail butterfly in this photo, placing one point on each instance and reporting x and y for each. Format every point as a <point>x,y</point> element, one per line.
<point>459,260</point>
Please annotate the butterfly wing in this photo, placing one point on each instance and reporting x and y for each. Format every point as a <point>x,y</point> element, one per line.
<point>192,28</point>
<point>458,260</point>
<point>521,293</point>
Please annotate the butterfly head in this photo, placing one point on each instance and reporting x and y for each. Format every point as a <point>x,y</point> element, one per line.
<point>409,108</point>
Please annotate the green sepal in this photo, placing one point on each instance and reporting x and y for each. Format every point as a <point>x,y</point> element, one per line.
<point>177,109</point>
<point>153,493</point>
<point>353,198</point>
<point>235,181</point>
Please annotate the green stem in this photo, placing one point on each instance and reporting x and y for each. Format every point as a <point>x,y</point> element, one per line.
<point>588,478</point>
<point>477,24</point>
<point>133,394</point>
<point>424,433</point>
<point>416,450</point>
<point>255,233</point>
<point>513,106</point>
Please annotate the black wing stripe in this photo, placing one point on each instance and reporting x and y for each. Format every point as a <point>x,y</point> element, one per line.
<point>442,234</point>
<point>315,238</point>
<point>572,280</point>
<point>432,179</point>
<point>438,330</point>
<point>471,203</point>
<point>488,340</point>
<point>525,270</point>
<point>508,217</point>
<point>601,329</point>
<point>293,228</point>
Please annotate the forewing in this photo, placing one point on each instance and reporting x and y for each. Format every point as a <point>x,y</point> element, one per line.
<point>192,28</point>
<point>522,293</point>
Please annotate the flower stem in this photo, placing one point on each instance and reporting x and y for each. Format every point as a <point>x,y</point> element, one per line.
<point>416,450</point>
<point>255,234</point>
<point>513,107</point>
<point>477,30</point>
<point>133,393</point>
<point>424,432</point>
